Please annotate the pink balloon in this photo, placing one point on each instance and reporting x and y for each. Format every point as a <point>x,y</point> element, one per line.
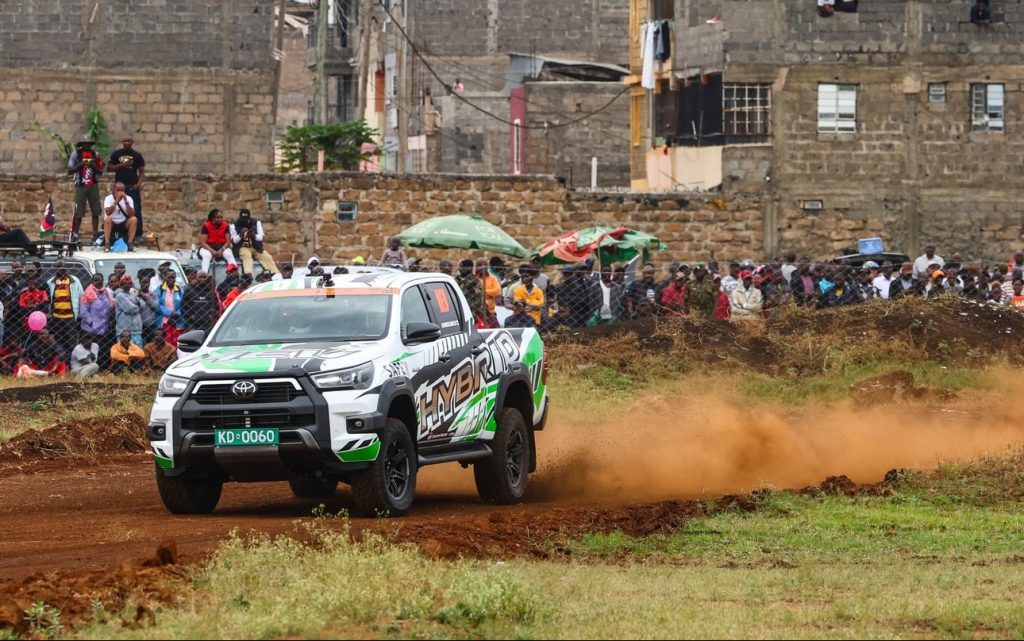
<point>36,321</point>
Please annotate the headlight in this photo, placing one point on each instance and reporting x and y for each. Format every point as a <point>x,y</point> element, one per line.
<point>172,385</point>
<point>358,377</point>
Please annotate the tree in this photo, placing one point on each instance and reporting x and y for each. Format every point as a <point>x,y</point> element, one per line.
<point>342,144</point>
<point>95,128</point>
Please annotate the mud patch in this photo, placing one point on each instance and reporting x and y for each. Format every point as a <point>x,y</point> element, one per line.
<point>130,590</point>
<point>87,441</point>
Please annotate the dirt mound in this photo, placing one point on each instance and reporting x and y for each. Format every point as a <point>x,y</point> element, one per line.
<point>86,440</point>
<point>799,341</point>
<point>93,596</point>
<point>63,392</point>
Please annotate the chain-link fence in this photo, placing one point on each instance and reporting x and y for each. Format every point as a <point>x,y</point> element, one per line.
<point>54,323</point>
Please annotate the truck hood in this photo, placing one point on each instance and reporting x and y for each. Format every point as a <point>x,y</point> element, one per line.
<point>278,357</point>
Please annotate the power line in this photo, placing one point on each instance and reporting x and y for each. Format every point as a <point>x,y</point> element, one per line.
<point>473,105</point>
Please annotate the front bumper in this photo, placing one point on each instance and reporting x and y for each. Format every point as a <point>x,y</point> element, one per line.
<point>322,434</point>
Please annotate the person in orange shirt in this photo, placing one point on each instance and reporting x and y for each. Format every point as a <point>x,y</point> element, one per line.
<point>126,355</point>
<point>491,287</point>
<point>530,294</point>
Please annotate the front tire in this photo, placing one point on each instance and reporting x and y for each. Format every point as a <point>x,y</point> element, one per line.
<point>501,479</point>
<point>183,495</point>
<point>387,487</point>
<point>313,488</point>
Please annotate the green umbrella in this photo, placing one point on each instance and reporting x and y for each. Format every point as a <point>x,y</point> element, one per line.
<point>462,232</point>
<point>626,247</point>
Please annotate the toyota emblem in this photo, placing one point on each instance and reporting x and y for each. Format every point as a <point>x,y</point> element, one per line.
<point>243,390</point>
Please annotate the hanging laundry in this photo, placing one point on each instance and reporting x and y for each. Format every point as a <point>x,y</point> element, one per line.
<point>647,40</point>
<point>662,40</point>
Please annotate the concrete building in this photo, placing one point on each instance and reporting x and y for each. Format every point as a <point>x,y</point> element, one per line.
<point>544,65</point>
<point>895,119</point>
<point>192,79</point>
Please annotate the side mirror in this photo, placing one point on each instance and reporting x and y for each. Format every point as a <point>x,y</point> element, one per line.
<point>420,332</point>
<point>191,341</point>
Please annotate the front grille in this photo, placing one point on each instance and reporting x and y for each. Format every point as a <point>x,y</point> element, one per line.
<point>208,421</point>
<point>220,394</point>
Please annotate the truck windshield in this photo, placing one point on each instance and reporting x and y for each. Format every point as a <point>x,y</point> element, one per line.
<point>303,319</point>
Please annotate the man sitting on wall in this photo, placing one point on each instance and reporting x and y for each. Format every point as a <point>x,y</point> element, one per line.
<point>981,14</point>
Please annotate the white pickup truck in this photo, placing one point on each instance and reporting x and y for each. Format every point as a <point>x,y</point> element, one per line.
<point>362,379</point>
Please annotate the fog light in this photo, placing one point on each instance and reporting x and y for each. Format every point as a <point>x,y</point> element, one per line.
<point>157,431</point>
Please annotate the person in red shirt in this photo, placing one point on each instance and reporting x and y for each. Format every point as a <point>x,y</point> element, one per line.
<point>33,298</point>
<point>672,295</point>
<point>214,242</point>
<point>722,306</point>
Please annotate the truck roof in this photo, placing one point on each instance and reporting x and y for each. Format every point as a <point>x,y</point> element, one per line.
<point>377,281</point>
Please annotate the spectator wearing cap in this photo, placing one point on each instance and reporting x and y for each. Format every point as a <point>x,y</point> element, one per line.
<point>86,165</point>
<point>499,270</point>
<point>520,316</point>
<point>247,237</point>
<point>671,299</point>
<point>65,297</point>
<point>214,240</point>
<point>128,311</point>
<point>394,256</point>
<point>883,280</point>
<point>231,278</point>
<point>926,260</point>
<point>906,284</point>
<point>445,267</point>
<point>701,295</point>
<point>125,355</point>
<point>745,302</point>
<point>161,276</point>
<point>190,275</point>
<point>286,273</point>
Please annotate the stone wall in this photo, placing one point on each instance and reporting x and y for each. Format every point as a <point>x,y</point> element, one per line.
<point>191,78</point>
<point>532,209</point>
<point>188,120</point>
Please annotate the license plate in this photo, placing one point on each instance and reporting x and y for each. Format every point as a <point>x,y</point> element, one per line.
<point>247,437</point>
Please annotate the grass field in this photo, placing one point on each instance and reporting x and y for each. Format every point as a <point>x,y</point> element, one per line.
<point>939,556</point>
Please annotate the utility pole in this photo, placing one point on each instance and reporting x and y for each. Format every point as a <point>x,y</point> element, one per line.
<point>279,45</point>
<point>320,98</point>
<point>366,26</point>
<point>403,93</point>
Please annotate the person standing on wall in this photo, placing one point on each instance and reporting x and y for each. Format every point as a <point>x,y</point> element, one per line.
<point>247,237</point>
<point>86,166</point>
<point>130,168</point>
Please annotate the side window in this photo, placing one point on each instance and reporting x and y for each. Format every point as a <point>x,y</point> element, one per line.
<point>445,306</point>
<point>413,308</point>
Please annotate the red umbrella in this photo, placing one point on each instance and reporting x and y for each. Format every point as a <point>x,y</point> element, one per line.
<point>577,245</point>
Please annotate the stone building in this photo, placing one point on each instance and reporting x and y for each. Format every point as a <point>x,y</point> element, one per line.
<point>895,119</point>
<point>192,79</point>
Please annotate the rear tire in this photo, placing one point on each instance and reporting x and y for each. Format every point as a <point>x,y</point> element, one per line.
<point>388,486</point>
<point>314,488</point>
<point>502,478</point>
<point>183,495</point>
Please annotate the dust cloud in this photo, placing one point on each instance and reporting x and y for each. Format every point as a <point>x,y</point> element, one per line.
<point>674,446</point>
